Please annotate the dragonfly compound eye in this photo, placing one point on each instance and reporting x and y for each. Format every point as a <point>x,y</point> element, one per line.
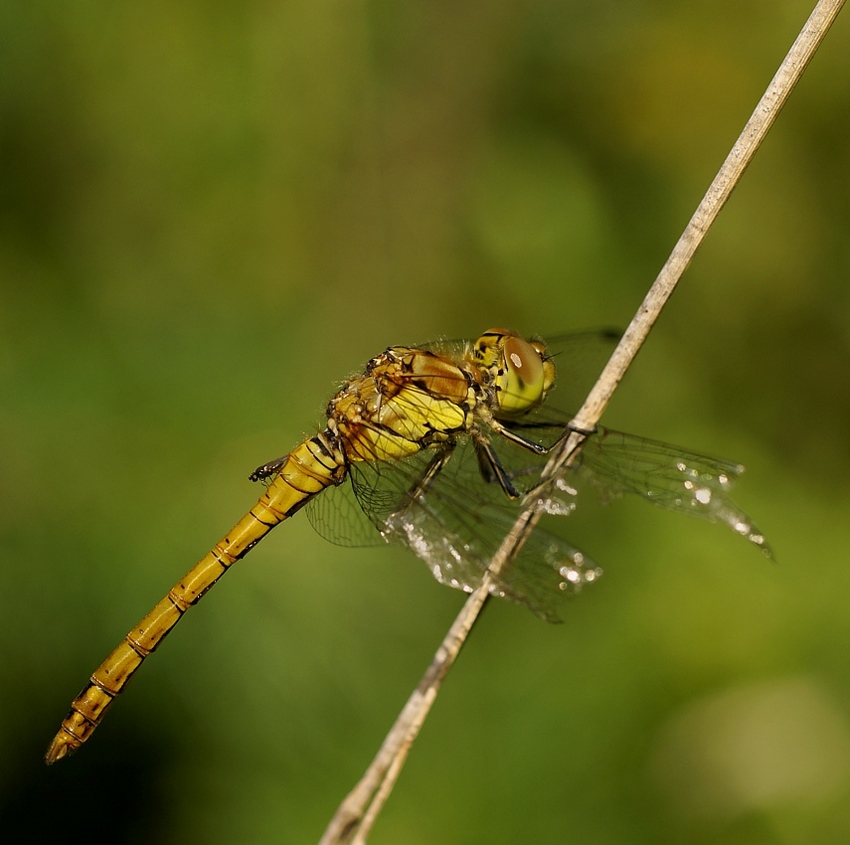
<point>524,378</point>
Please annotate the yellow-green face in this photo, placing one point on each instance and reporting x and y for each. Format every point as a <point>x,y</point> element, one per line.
<point>519,371</point>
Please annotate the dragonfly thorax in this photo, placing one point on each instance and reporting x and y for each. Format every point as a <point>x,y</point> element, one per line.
<point>406,400</point>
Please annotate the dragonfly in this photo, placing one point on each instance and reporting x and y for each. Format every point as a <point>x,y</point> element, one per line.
<point>438,447</point>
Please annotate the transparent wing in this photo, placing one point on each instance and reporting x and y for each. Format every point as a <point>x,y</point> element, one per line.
<point>545,569</point>
<point>673,478</point>
<point>456,521</point>
<point>616,464</point>
<point>337,516</point>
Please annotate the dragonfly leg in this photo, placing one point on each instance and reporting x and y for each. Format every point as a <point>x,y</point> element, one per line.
<point>432,470</point>
<point>509,434</point>
<point>491,469</point>
<point>420,487</point>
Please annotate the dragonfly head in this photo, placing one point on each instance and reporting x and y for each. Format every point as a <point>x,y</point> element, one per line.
<point>517,369</point>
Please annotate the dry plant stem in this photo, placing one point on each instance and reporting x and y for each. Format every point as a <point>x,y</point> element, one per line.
<point>353,820</point>
<point>355,816</point>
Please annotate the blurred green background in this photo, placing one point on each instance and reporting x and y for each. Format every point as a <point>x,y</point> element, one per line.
<point>211,213</point>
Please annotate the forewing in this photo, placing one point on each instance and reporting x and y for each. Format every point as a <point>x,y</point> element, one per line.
<point>616,464</point>
<point>673,478</point>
